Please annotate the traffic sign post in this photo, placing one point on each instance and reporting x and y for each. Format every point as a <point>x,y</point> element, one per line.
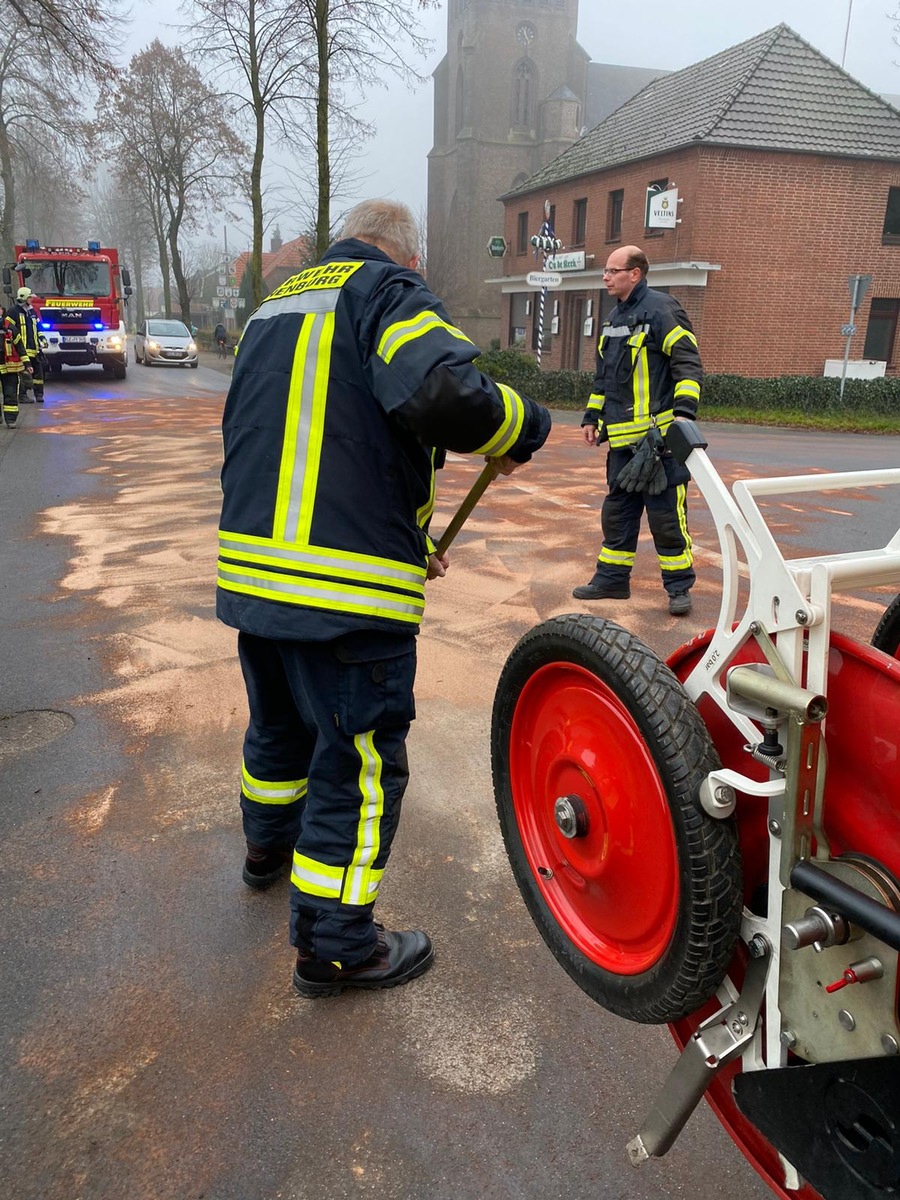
<point>546,243</point>
<point>858,285</point>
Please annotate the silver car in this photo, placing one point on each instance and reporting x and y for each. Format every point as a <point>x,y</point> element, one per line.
<point>164,341</point>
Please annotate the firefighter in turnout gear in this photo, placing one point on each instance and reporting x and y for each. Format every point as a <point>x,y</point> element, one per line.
<point>350,382</point>
<point>24,316</point>
<point>648,374</point>
<point>13,365</point>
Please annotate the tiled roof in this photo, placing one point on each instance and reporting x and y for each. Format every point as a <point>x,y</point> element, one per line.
<point>773,92</point>
<point>292,256</point>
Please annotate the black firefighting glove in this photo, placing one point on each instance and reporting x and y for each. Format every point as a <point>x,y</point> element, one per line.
<point>645,472</point>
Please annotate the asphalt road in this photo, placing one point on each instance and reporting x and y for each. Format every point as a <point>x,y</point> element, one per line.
<point>151,1044</point>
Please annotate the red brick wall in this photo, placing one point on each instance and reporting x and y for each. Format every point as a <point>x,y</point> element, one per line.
<point>786,229</point>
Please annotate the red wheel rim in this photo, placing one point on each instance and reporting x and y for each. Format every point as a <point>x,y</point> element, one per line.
<point>614,892</point>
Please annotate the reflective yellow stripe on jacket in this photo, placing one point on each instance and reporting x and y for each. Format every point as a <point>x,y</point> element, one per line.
<point>358,583</point>
<point>626,433</point>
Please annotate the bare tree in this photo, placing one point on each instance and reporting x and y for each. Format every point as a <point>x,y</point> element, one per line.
<point>121,218</point>
<point>267,63</point>
<point>358,43</point>
<point>84,33</point>
<point>40,102</point>
<point>175,137</point>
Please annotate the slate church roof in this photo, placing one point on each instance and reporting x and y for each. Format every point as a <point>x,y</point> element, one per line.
<point>772,92</point>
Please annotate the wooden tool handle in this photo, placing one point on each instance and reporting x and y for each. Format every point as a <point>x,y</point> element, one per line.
<point>476,491</point>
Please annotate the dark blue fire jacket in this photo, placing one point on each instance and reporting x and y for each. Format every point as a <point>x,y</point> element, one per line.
<point>347,378</point>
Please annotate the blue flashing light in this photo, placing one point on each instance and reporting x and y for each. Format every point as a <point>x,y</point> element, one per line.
<point>98,324</point>
<point>94,247</point>
<point>45,325</point>
<point>32,244</point>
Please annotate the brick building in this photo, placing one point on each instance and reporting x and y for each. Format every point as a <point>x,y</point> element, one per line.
<point>788,179</point>
<point>513,91</point>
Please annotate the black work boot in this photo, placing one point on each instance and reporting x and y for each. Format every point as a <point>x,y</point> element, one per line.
<point>601,589</point>
<point>397,958</point>
<point>680,603</point>
<point>265,865</point>
<point>39,399</point>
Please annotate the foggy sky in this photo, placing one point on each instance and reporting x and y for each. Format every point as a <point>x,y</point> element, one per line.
<point>667,36</point>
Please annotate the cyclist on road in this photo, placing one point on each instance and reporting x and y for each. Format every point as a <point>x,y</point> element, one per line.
<point>220,337</point>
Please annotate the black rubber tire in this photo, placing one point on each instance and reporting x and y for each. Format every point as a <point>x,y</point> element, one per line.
<point>887,635</point>
<point>707,925</point>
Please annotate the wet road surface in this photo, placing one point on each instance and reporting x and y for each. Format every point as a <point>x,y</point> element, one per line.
<point>151,1044</point>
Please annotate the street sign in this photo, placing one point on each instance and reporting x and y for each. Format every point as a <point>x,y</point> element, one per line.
<point>233,302</point>
<point>242,303</point>
<point>497,246</point>
<point>543,279</point>
<point>858,285</point>
<point>848,330</point>
<point>222,281</point>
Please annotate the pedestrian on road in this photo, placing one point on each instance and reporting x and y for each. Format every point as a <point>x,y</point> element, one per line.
<point>25,317</point>
<point>648,374</point>
<point>13,365</point>
<point>350,383</point>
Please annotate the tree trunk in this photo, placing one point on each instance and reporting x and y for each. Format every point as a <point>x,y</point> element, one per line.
<point>184,292</point>
<point>256,206</point>
<point>323,160</point>
<point>8,215</point>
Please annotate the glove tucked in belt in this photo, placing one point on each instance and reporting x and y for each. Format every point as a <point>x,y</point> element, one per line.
<point>645,472</point>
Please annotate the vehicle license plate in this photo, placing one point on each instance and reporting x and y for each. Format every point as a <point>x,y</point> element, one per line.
<point>74,341</point>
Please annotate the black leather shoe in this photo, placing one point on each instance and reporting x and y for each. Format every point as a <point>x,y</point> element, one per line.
<point>602,591</point>
<point>397,958</point>
<point>680,604</point>
<point>265,865</point>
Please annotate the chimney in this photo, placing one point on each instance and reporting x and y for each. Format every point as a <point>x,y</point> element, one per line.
<point>276,242</point>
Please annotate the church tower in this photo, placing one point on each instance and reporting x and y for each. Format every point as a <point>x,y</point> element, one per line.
<point>508,98</point>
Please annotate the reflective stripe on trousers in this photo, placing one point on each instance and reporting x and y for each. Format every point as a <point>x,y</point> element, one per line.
<point>620,518</point>
<point>325,770</point>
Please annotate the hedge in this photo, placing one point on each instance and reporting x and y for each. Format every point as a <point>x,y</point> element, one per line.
<point>786,393</point>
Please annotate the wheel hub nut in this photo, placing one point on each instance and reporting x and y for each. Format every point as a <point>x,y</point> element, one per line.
<point>571,816</point>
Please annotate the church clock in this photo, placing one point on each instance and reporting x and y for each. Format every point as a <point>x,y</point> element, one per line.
<point>525,34</point>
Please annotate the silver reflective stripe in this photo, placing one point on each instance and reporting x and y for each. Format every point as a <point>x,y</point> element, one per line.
<point>354,566</point>
<point>611,331</point>
<point>311,367</point>
<point>327,592</point>
<point>323,300</point>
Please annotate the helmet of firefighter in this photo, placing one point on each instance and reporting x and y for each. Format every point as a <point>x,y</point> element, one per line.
<point>24,293</point>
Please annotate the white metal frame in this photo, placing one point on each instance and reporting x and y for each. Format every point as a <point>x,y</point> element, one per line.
<point>790,600</point>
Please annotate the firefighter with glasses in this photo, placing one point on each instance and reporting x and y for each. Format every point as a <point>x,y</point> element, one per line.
<point>648,374</point>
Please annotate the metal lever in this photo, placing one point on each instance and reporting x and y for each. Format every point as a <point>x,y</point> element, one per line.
<point>714,1045</point>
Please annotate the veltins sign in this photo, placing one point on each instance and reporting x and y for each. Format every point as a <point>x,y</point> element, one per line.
<point>662,210</point>
<point>573,260</point>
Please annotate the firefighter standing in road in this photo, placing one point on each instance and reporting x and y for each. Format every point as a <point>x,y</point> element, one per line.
<point>349,375</point>
<point>24,315</point>
<point>648,374</point>
<point>13,364</point>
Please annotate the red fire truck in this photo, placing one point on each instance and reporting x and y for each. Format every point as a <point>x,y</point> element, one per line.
<point>79,295</point>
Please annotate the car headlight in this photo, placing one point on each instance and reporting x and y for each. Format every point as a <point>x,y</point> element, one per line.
<point>153,345</point>
<point>114,341</point>
<point>192,346</point>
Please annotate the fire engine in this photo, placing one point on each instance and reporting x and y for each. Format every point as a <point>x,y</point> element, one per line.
<point>79,293</point>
